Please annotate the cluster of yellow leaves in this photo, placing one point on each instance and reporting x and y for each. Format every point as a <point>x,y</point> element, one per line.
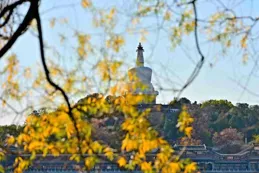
<point>54,20</point>
<point>226,30</point>
<point>192,167</point>
<point>54,133</point>
<point>224,27</point>
<point>2,157</point>
<point>142,139</point>
<point>145,9</point>
<point>243,41</point>
<point>21,164</point>
<point>115,42</point>
<point>185,27</point>
<point>167,15</point>
<point>189,27</point>
<point>11,86</point>
<point>72,80</point>
<point>122,161</point>
<point>184,122</point>
<point>108,69</point>
<point>256,139</point>
<point>10,140</point>
<point>215,17</point>
<point>105,19</point>
<point>86,3</point>
<point>84,45</point>
<point>2,169</point>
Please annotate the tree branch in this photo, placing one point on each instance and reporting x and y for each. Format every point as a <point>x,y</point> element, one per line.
<point>199,65</point>
<point>11,7</point>
<point>7,18</point>
<point>53,84</point>
<point>25,23</point>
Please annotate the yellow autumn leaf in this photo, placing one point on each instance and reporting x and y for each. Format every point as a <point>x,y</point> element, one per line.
<point>96,146</point>
<point>190,168</point>
<point>188,131</point>
<point>243,42</point>
<point>86,3</point>
<point>90,162</point>
<point>146,166</point>
<point>2,155</point>
<point>109,153</point>
<point>52,22</point>
<point>122,161</point>
<point>2,169</point>
<point>245,58</point>
<point>174,167</point>
<point>167,15</point>
<point>27,73</point>
<point>10,140</point>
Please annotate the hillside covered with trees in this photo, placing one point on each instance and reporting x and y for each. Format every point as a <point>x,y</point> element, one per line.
<point>217,123</point>
<point>220,123</point>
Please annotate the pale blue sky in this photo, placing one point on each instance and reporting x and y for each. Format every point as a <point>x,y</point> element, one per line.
<point>215,82</point>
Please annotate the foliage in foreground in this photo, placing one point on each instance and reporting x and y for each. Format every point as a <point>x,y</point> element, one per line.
<point>54,133</point>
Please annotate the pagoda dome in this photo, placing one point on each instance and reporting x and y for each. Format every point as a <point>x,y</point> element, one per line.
<point>140,86</point>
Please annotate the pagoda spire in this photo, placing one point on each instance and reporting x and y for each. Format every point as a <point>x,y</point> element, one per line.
<point>140,57</point>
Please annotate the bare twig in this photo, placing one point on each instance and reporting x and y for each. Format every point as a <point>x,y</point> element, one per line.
<point>199,65</point>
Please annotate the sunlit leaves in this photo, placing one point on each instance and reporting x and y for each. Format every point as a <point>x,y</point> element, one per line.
<point>115,42</point>
<point>108,69</point>
<point>190,168</point>
<point>167,15</point>
<point>225,27</point>
<point>90,162</point>
<point>105,19</point>
<point>52,22</point>
<point>10,140</point>
<point>2,157</point>
<point>86,3</point>
<point>146,167</point>
<point>122,161</point>
<point>84,46</point>
<point>184,122</point>
<point>243,41</point>
<point>145,9</point>
<point>20,164</point>
<point>11,85</point>
<point>176,36</point>
<point>54,133</point>
<point>109,153</point>
<point>256,139</point>
<point>2,169</point>
<point>189,27</point>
